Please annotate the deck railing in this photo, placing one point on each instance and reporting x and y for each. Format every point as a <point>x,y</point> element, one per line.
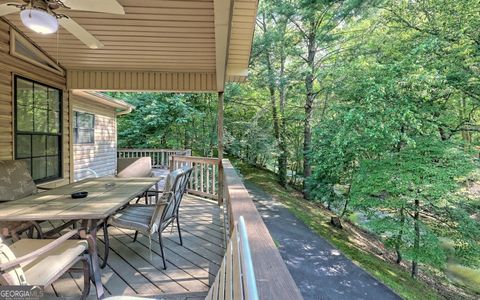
<point>272,277</point>
<point>204,178</point>
<point>160,157</point>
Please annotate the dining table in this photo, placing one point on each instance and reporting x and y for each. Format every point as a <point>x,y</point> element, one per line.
<point>106,195</point>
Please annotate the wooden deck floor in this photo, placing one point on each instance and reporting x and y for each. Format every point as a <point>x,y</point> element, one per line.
<point>135,270</point>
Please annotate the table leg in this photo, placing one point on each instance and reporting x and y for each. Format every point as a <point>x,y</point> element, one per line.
<point>157,186</point>
<point>90,227</point>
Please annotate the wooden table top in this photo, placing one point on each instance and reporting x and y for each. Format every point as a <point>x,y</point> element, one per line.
<point>105,196</point>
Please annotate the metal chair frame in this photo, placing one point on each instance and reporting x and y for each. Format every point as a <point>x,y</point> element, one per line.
<point>170,213</point>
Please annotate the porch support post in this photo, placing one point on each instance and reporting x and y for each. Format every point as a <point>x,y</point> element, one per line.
<point>220,147</point>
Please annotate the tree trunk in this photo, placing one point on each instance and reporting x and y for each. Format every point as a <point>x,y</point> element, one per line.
<point>310,98</point>
<point>416,242</point>
<point>185,137</point>
<point>213,137</point>
<point>398,241</point>
<point>273,103</point>
<point>443,134</point>
<point>414,269</point>
<point>283,157</point>
<point>278,116</point>
<point>344,211</point>
<point>282,142</point>
<point>271,83</point>
<point>347,200</point>
<point>466,135</point>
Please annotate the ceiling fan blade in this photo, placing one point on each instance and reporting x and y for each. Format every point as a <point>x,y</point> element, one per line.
<point>80,33</point>
<point>104,6</point>
<point>6,9</point>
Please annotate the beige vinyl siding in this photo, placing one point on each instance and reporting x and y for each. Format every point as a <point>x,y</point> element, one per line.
<point>141,81</point>
<point>171,36</point>
<point>101,156</point>
<point>9,67</point>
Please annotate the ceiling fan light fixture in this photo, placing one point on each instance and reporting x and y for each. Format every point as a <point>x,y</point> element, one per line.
<point>39,20</point>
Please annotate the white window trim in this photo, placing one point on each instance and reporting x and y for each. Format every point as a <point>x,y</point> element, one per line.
<point>94,126</point>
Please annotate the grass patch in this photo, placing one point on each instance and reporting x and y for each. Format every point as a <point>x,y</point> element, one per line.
<point>317,218</point>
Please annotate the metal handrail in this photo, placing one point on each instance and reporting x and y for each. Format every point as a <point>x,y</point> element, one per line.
<point>247,264</point>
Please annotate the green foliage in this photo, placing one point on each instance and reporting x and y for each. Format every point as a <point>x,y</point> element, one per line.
<point>402,95</point>
<point>432,172</point>
<point>350,243</point>
<point>394,94</point>
<point>168,120</point>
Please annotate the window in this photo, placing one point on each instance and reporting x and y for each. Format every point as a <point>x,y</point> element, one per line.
<point>20,47</point>
<point>38,130</point>
<point>83,128</point>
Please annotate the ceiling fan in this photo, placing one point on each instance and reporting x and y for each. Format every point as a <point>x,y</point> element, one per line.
<point>41,16</point>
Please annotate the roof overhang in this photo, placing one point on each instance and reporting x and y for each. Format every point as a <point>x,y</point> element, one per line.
<point>168,45</point>
<point>121,107</point>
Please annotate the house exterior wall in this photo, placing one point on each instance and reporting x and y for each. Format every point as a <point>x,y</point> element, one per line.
<point>11,66</point>
<point>100,156</point>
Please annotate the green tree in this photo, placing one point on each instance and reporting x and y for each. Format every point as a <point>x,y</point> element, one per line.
<point>316,23</point>
<point>167,120</point>
<point>413,197</point>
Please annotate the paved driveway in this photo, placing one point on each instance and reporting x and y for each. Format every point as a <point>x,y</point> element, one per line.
<point>320,270</point>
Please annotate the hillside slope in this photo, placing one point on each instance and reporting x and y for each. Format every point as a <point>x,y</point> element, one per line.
<point>358,245</point>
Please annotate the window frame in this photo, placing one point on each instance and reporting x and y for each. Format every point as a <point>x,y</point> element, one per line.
<point>76,128</point>
<point>47,64</point>
<point>59,134</point>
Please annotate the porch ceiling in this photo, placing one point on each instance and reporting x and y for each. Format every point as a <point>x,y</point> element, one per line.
<point>161,36</point>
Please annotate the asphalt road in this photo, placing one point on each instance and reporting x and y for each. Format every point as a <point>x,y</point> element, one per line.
<point>320,270</point>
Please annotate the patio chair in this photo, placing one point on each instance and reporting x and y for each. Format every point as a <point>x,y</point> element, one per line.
<point>164,185</point>
<point>135,167</point>
<point>41,262</point>
<point>151,218</point>
<point>16,183</point>
<point>169,186</point>
<point>236,277</point>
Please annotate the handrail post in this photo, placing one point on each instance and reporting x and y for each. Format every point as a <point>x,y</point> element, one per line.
<point>171,163</point>
<point>220,146</point>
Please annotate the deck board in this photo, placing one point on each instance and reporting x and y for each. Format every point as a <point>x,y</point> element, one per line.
<point>134,269</point>
<point>181,277</point>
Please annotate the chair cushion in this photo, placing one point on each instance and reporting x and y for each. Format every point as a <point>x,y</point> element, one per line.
<point>136,217</point>
<point>15,276</point>
<point>134,167</point>
<point>171,179</point>
<point>48,266</point>
<point>15,180</point>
